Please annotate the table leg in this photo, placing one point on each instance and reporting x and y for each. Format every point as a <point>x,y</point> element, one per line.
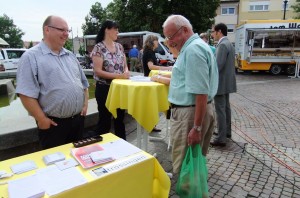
<point>138,135</point>
<point>145,140</point>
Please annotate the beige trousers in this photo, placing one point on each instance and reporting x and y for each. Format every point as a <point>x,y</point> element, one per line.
<point>182,121</point>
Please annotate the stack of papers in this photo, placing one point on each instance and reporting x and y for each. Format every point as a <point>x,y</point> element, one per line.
<point>55,181</point>
<point>101,157</point>
<point>27,187</point>
<point>82,155</point>
<point>52,158</point>
<point>23,167</point>
<point>140,79</point>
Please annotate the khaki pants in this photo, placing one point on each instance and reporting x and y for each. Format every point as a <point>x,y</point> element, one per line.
<point>133,63</point>
<point>182,121</point>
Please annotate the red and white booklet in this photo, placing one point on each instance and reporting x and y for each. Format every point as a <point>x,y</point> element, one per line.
<point>83,155</point>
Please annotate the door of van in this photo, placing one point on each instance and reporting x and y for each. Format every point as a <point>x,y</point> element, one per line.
<point>12,60</point>
<point>162,53</point>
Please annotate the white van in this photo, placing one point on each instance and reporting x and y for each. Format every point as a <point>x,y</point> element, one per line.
<point>128,39</point>
<point>9,57</point>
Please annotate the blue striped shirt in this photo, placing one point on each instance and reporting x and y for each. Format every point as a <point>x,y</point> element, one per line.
<point>56,81</point>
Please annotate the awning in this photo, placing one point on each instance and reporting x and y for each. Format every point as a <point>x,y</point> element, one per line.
<point>3,42</point>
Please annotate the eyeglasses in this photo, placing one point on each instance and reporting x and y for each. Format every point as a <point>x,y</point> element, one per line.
<point>60,29</point>
<point>170,37</point>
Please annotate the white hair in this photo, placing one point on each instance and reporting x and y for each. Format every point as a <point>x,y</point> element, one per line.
<point>178,21</point>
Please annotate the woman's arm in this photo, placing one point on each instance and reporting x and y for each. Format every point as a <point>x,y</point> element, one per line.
<point>151,66</point>
<point>98,69</point>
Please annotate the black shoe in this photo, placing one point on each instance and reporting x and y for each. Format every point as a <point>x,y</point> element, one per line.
<point>220,144</point>
<point>156,130</point>
<point>228,136</point>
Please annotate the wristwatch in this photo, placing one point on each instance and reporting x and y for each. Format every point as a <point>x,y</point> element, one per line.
<point>197,128</point>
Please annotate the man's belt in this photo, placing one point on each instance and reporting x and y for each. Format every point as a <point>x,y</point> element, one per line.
<point>185,106</point>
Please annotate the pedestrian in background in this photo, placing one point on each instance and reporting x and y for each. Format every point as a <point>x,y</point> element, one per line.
<point>133,57</point>
<point>205,37</point>
<point>149,58</point>
<point>109,62</point>
<point>225,56</point>
<point>53,87</point>
<point>193,85</point>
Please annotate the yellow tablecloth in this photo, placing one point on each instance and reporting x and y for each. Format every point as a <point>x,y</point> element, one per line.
<point>161,72</point>
<point>143,100</point>
<point>144,179</point>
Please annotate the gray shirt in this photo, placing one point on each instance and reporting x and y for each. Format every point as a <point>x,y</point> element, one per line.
<point>56,81</point>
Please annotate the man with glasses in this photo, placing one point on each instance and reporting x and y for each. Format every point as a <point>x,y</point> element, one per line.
<point>193,85</point>
<point>53,87</point>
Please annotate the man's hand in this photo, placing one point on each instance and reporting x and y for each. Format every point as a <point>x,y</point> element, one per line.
<point>45,123</point>
<point>84,110</point>
<point>194,137</point>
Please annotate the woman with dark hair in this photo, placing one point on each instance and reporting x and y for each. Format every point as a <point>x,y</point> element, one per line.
<point>149,58</point>
<point>109,63</point>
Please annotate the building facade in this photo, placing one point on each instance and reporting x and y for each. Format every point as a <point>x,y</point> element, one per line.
<point>234,12</point>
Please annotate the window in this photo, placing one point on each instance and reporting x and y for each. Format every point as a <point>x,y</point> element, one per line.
<point>14,54</point>
<point>228,11</point>
<point>259,6</point>
<point>230,28</point>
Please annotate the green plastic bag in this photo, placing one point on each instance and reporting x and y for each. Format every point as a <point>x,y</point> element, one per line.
<point>192,180</point>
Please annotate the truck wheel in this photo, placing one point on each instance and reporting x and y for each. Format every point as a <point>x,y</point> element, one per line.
<point>275,69</point>
<point>290,70</point>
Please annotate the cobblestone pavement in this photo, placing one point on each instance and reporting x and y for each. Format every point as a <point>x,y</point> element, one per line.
<point>265,145</point>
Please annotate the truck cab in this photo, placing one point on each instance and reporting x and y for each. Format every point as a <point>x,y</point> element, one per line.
<point>9,57</point>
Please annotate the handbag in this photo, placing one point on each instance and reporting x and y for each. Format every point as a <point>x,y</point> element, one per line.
<point>192,180</point>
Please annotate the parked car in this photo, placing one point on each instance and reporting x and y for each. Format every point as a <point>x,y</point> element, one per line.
<point>2,68</point>
<point>9,57</point>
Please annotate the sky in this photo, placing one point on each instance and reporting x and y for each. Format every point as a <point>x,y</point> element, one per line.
<point>29,15</point>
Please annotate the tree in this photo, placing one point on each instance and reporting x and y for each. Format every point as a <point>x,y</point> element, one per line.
<point>136,15</point>
<point>296,8</point>
<point>69,45</point>
<point>81,50</point>
<point>15,34</point>
<point>149,15</point>
<point>94,19</point>
<point>30,45</point>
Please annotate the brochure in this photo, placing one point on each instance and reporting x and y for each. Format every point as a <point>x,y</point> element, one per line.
<point>82,155</point>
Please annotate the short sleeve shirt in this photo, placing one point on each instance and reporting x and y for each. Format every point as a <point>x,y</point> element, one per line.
<point>148,56</point>
<point>195,72</point>
<point>57,81</point>
<point>112,62</point>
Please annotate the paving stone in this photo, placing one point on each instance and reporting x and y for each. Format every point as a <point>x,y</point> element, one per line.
<point>253,193</point>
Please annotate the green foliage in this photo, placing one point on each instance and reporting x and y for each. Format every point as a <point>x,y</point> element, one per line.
<point>81,50</point>
<point>69,45</point>
<point>296,8</point>
<point>94,19</point>
<point>15,34</point>
<point>30,45</point>
<point>149,15</point>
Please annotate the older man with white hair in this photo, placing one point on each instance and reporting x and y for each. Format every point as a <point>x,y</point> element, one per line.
<point>193,85</point>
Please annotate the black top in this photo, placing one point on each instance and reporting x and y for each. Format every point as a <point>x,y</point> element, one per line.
<point>148,55</point>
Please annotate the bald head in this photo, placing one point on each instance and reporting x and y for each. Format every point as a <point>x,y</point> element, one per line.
<point>50,20</point>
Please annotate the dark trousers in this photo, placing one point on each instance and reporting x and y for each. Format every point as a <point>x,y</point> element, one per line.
<point>223,111</point>
<point>104,123</point>
<point>67,130</point>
